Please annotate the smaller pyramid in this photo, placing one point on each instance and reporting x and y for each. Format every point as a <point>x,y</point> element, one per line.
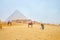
<point>16,15</point>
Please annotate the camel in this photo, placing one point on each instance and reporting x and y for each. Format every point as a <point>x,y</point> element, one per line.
<point>9,23</point>
<point>30,24</point>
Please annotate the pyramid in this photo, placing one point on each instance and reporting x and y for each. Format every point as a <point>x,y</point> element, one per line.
<point>16,15</point>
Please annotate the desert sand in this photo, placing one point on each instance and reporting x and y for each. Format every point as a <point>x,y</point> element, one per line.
<point>22,32</point>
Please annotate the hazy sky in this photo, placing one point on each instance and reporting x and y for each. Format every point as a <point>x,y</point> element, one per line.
<point>47,11</point>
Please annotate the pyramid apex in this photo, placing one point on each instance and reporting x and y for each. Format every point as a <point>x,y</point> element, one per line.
<point>16,10</point>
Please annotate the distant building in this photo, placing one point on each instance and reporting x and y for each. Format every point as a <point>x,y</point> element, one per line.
<point>16,16</point>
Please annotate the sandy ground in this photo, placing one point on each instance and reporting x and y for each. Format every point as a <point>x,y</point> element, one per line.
<point>22,32</point>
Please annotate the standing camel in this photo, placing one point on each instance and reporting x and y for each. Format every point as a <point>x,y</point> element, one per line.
<point>30,24</point>
<point>9,23</point>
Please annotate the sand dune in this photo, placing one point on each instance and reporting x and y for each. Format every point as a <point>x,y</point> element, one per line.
<point>22,32</point>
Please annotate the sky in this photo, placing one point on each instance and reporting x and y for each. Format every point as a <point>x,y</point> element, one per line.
<point>46,11</point>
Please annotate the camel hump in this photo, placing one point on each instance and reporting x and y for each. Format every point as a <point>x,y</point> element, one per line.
<point>30,21</point>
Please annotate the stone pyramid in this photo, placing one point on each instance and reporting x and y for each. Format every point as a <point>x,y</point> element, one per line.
<point>16,15</point>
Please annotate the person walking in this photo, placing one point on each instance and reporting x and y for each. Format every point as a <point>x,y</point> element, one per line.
<point>42,26</point>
